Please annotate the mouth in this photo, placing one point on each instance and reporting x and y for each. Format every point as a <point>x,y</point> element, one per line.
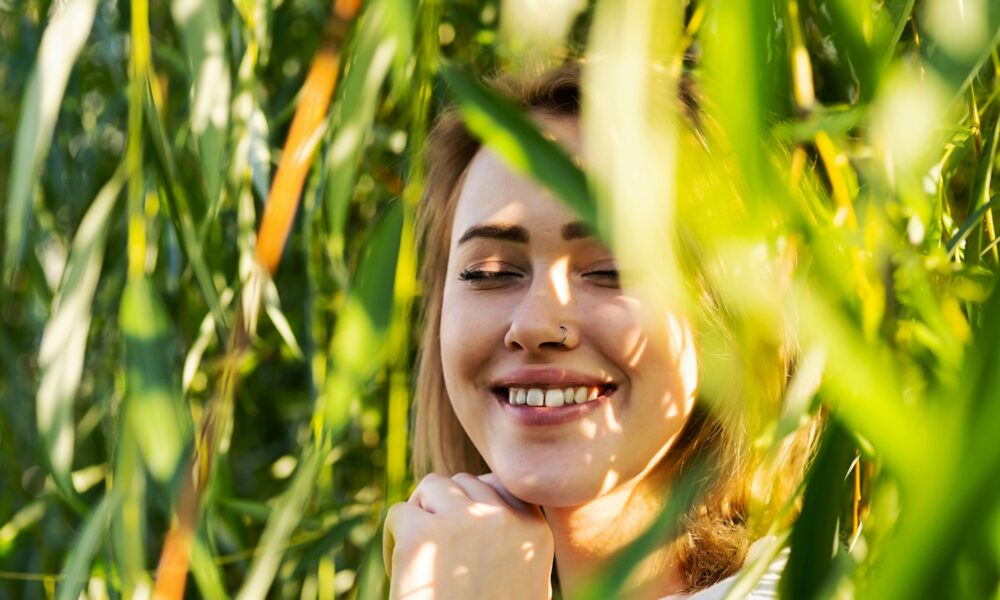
<point>552,397</point>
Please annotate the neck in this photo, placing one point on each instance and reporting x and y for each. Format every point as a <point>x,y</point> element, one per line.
<point>587,538</point>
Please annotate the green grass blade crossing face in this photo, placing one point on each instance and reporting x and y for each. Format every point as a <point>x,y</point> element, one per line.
<point>517,142</point>
<point>61,44</point>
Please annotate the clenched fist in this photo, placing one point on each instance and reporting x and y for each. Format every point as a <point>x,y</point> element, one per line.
<point>466,537</point>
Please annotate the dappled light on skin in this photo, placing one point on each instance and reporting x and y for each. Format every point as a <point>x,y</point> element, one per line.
<point>559,276</point>
<point>420,584</point>
<point>610,481</point>
<point>687,357</point>
<point>529,550</point>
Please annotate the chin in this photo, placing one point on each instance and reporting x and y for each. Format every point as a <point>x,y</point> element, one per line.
<point>555,488</point>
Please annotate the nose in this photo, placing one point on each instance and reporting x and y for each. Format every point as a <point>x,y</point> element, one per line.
<point>545,317</point>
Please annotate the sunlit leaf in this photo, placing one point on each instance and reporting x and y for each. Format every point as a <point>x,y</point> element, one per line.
<point>153,408</point>
<point>513,137</point>
<point>204,44</point>
<point>65,339</point>
<point>62,42</point>
<point>382,36</point>
<point>88,542</point>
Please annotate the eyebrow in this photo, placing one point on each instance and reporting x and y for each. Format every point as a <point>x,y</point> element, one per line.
<point>515,233</point>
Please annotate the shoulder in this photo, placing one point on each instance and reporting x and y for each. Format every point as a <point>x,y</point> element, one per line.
<point>766,586</point>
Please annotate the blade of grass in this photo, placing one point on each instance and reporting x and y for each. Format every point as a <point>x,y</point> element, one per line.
<point>155,411</point>
<point>198,23</point>
<point>284,519</point>
<point>25,518</point>
<point>62,42</point>
<point>379,39</point>
<point>178,208</point>
<point>76,571</point>
<point>519,144</point>
<point>814,535</point>
<point>358,348</point>
<point>64,341</point>
<point>686,489</point>
<point>206,572</point>
<point>357,353</point>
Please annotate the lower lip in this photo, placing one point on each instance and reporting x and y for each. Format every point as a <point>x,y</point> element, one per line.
<point>541,416</point>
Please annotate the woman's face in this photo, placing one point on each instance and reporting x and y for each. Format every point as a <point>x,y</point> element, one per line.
<point>533,314</point>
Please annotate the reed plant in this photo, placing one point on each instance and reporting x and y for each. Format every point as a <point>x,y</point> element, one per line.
<point>209,277</point>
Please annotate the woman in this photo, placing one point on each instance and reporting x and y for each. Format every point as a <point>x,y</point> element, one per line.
<point>551,413</point>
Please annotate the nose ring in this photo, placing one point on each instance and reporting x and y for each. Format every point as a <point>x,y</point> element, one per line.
<point>565,331</point>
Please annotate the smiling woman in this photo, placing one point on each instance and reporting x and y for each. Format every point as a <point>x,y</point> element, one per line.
<point>552,412</point>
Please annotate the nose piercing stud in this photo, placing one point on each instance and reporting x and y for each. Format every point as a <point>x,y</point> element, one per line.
<point>565,331</point>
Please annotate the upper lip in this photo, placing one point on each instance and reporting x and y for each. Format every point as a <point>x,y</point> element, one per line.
<point>548,377</point>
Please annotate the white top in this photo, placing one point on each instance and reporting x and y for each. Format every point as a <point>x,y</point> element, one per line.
<point>765,589</point>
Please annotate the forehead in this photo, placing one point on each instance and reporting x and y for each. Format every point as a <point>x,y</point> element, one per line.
<point>493,193</point>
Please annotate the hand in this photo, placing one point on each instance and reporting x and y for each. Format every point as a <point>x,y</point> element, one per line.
<point>466,537</point>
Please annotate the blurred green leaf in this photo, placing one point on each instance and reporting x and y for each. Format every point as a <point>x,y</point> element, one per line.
<point>204,45</point>
<point>206,572</point>
<point>64,341</point>
<point>517,141</point>
<point>687,487</point>
<point>92,536</point>
<point>62,42</point>
<point>357,350</point>
<point>153,407</point>
<point>179,209</point>
<point>382,35</point>
<point>814,535</point>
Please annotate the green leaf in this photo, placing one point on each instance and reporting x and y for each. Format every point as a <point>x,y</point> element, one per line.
<point>90,539</point>
<point>686,488</point>
<point>287,514</point>
<point>205,570</point>
<point>204,44</point>
<point>517,141</point>
<point>62,42</point>
<point>814,535</point>
<point>64,341</point>
<point>358,347</point>
<point>179,209</point>
<point>382,35</point>
<point>153,406</point>
<point>958,39</point>
<point>357,353</point>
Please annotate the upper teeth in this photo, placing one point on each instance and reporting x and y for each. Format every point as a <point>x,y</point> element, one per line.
<point>552,397</point>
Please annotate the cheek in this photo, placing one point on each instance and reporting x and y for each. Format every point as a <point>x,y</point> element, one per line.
<point>470,331</point>
<point>656,357</point>
<point>613,327</point>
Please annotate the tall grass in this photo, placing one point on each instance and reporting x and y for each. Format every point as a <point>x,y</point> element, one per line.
<point>209,278</point>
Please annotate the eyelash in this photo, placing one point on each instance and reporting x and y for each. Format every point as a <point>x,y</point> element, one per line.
<point>474,275</point>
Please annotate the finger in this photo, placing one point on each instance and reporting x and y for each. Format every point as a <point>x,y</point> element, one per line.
<point>437,493</point>
<point>399,519</point>
<point>516,503</point>
<point>478,490</point>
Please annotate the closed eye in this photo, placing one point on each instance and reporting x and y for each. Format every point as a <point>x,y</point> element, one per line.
<point>484,275</point>
<point>607,277</point>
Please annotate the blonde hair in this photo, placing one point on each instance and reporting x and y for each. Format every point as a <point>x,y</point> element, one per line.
<point>717,532</point>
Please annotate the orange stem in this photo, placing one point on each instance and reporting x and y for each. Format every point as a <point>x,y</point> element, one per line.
<point>303,139</point>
